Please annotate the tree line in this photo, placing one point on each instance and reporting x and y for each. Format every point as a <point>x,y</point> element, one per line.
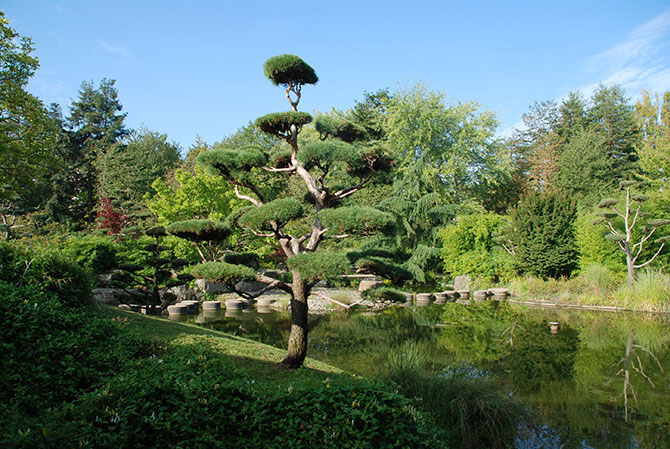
<point>404,184</point>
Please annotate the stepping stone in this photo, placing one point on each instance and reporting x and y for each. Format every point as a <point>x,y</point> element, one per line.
<point>211,305</point>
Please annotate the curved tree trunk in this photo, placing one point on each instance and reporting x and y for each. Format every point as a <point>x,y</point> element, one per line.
<point>297,341</point>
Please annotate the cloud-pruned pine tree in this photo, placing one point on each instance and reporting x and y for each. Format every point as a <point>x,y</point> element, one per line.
<point>622,222</point>
<point>332,167</point>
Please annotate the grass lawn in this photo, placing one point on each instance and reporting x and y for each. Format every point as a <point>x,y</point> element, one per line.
<point>258,360</point>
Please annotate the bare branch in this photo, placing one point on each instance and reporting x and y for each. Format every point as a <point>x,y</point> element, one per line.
<point>279,170</point>
<point>619,213</point>
<point>650,260</point>
<point>241,196</point>
<point>341,304</point>
<point>652,356</point>
<point>641,371</point>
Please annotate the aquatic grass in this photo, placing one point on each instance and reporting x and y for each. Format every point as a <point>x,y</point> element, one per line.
<point>411,356</point>
<point>473,412</point>
<point>650,291</point>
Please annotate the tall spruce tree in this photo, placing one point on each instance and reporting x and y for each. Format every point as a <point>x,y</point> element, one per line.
<point>302,222</point>
<point>97,125</point>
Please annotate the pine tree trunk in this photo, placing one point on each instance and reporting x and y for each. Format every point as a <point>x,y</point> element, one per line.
<point>629,261</point>
<point>631,270</point>
<point>297,341</point>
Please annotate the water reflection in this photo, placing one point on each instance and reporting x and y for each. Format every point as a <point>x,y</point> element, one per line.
<point>594,380</point>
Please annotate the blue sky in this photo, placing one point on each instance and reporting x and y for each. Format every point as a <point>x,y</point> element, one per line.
<point>195,68</point>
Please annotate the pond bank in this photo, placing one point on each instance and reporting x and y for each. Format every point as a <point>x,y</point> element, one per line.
<point>589,307</point>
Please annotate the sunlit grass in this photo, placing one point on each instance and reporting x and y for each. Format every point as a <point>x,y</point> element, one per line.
<point>600,286</point>
<point>257,358</point>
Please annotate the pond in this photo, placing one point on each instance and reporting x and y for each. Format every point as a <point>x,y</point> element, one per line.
<point>593,380</point>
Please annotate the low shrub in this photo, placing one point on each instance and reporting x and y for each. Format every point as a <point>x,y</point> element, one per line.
<point>53,353</point>
<point>48,271</point>
<point>96,253</point>
<point>192,398</point>
<point>595,282</point>
<point>651,292</point>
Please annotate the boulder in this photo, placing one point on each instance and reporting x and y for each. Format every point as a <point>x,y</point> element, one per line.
<point>206,286</point>
<point>367,284</point>
<point>250,286</point>
<point>462,282</point>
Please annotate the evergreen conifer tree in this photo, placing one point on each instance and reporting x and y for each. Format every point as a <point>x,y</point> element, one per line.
<point>330,169</point>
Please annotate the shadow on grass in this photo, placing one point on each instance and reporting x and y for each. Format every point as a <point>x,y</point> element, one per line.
<point>260,361</point>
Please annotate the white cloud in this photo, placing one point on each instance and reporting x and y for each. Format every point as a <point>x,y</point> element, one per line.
<point>123,54</point>
<point>638,62</point>
<point>115,50</point>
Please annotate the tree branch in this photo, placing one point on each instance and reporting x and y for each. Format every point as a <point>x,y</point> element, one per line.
<point>650,260</point>
<point>241,196</point>
<point>279,170</point>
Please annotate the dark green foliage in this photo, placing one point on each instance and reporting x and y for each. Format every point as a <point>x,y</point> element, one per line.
<point>48,271</point>
<point>127,171</point>
<point>248,259</point>
<point>280,159</point>
<point>95,253</point>
<point>279,123</point>
<point>385,294</point>
<point>607,202</point>
<point>341,414</point>
<point>362,220</point>
<point>223,272</point>
<point>280,211</point>
<point>191,398</point>
<point>384,268</point>
<point>156,231</point>
<point>339,128</point>
<point>324,154</point>
<point>153,275</point>
<point>289,69</point>
<point>52,353</point>
<point>320,265</point>
<point>232,162</point>
<point>370,252</point>
<point>544,235</point>
<point>200,230</point>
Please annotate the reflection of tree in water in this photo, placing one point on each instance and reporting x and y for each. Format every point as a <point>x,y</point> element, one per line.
<point>538,357</point>
<point>361,342</point>
<point>632,361</point>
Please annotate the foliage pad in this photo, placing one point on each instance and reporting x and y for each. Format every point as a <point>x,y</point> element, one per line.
<point>234,163</point>
<point>224,272</point>
<point>362,220</point>
<point>321,265</point>
<point>280,211</point>
<point>289,69</point>
<point>279,123</point>
<point>199,230</point>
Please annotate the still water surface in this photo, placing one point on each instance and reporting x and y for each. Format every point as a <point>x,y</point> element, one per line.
<point>596,380</point>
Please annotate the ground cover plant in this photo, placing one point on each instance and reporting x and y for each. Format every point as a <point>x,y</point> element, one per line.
<point>74,375</point>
